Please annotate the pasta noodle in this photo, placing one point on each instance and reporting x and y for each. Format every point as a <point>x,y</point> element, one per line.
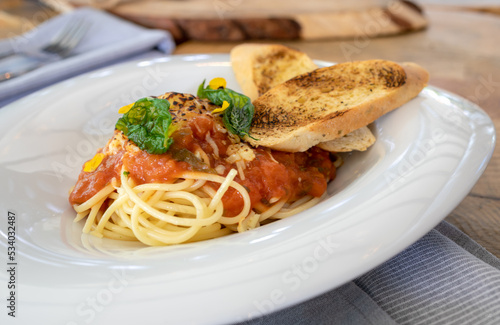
<point>159,214</point>
<point>206,186</point>
<point>185,211</point>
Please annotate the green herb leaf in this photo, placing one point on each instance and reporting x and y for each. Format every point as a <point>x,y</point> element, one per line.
<point>238,116</point>
<point>147,124</point>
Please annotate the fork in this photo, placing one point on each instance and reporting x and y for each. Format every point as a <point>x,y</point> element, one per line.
<point>67,39</point>
<point>59,47</point>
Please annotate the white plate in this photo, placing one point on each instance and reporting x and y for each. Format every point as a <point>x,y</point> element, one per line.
<point>428,155</point>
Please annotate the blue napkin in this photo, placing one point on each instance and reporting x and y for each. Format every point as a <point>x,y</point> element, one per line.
<point>108,40</point>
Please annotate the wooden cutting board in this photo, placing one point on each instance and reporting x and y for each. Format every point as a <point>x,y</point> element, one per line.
<point>238,20</point>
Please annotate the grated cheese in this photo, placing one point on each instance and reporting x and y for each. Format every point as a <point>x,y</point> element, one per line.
<point>239,151</point>
<point>212,144</point>
<point>220,169</point>
<point>240,165</point>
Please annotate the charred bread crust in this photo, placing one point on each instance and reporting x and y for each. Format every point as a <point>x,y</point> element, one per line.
<point>328,103</point>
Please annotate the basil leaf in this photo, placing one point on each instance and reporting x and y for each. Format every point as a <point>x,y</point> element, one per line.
<point>238,116</point>
<point>147,124</point>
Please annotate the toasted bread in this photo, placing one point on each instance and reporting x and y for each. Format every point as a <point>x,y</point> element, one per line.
<point>360,140</point>
<point>260,67</point>
<point>330,102</point>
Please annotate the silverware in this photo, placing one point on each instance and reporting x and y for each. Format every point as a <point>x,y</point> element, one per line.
<point>67,39</point>
<point>58,48</point>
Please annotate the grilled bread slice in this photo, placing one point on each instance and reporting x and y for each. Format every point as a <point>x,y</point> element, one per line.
<point>260,67</point>
<point>328,103</point>
<point>359,140</point>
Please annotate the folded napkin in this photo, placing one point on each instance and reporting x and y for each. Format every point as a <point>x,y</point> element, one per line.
<point>108,40</point>
<point>444,278</point>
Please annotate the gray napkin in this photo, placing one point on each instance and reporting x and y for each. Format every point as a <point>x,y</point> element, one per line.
<point>444,278</point>
<point>108,40</point>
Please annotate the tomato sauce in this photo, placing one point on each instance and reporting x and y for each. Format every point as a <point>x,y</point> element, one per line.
<point>89,183</point>
<point>271,176</point>
<point>284,175</point>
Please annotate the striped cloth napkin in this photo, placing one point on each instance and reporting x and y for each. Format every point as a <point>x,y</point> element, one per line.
<point>444,278</point>
<point>108,40</point>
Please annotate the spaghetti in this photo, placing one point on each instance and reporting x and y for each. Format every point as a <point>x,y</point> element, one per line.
<point>208,184</point>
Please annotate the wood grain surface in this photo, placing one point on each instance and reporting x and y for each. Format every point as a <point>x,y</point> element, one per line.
<point>278,19</point>
<point>460,48</point>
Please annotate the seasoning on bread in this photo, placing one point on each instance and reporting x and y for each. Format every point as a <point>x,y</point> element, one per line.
<point>260,67</point>
<point>328,103</point>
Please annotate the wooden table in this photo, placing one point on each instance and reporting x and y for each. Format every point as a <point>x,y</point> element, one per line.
<point>461,50</point>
